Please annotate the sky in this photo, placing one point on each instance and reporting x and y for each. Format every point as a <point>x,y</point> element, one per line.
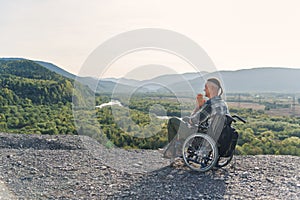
<point>235,34</point>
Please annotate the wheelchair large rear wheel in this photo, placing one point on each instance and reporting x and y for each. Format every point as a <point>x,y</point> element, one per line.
<point>200,152</point>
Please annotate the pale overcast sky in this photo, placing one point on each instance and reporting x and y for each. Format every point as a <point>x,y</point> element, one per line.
<point>235,34</point>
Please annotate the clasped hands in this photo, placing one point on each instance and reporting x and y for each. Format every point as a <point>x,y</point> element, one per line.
<point>200,101</point>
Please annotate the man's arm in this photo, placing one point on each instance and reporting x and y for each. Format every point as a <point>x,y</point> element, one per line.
<point>200,101</point>
<point>201,115</point>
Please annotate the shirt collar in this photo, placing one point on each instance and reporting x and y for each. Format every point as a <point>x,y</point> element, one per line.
<point>216,98</point>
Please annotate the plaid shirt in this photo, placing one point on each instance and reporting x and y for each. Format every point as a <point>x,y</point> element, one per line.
<point>212,107</point>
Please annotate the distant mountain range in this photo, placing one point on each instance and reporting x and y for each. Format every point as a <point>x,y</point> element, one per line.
<point>258,80</point>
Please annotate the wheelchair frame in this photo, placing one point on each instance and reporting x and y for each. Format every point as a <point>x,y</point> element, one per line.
<point>200,151</point>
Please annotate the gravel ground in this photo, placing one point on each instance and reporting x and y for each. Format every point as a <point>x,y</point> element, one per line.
<point>77,167</point>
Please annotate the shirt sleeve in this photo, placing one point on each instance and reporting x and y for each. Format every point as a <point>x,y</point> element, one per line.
<point>201,115</point>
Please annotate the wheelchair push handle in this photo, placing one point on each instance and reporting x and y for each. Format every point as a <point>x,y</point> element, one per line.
<point>239,118</point>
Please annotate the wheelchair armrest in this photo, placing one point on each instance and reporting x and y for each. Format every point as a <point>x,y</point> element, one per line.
<point>239,118</point>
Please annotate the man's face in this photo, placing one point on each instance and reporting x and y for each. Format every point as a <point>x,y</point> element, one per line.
<point>206,89</point>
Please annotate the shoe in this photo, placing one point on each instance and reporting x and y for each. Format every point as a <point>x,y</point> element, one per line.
<point>178,161</point>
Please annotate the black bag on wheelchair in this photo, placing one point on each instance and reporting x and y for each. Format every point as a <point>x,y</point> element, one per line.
<point>228,139</point>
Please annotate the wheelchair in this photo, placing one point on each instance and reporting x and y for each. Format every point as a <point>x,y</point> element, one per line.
<point>200,151</point>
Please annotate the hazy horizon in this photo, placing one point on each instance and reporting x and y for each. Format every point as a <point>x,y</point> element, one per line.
<point>136,75</point>
<point>148,77</point>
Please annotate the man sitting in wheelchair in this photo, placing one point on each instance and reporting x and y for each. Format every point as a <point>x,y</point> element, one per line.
<point>208,113</point>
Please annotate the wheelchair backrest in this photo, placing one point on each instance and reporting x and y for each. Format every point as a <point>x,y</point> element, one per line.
<point>216,125</point>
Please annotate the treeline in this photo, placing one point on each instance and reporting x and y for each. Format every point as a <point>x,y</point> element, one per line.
<point>133,129</point>
<point>37,119</point>
<point>23,81</point>
<point>264,134</point>
<point>160,107</point>
<point>36,100</point>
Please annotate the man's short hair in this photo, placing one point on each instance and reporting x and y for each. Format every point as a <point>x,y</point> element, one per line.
<point>216,83</point>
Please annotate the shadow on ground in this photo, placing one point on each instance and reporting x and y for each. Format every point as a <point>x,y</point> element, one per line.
<point>177,183</point>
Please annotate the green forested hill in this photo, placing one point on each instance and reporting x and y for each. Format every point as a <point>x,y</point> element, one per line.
<point>34,100</point>
<point>25,80</point>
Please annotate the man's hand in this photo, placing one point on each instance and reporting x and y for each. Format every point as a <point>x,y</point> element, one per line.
<point>200,100</point>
